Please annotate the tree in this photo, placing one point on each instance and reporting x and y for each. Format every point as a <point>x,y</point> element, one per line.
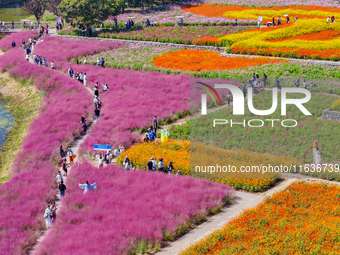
<point>86,12</point>
<point>35,7</point>
<point>52,6</point>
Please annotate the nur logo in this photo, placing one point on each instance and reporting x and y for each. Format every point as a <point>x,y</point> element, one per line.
<point>204,97</point>
<point>238,100</point>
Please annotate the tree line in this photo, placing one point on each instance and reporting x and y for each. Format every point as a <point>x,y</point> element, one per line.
<point>87,12</point>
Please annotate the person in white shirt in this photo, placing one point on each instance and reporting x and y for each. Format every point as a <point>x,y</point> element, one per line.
<point>85,79</point>
<point>87,187</point>
<point>59,177</point>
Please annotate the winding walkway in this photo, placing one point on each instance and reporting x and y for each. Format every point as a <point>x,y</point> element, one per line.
<point>75,149</point>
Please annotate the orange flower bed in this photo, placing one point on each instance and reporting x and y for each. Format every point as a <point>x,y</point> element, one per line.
<point>302,219</point>
<point>207,41</point>
<point>294,53</point>
<point>323,35</point>
<point>196,60</point>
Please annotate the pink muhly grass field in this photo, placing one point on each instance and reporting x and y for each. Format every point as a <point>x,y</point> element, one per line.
<point>6,42</point>
<point>23,198</point>
<point>57,49</point>
<point>128,208</point>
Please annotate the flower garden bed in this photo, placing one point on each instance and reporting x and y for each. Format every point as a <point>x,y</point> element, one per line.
<point>196,60</point>
<point>307,214</point>
<point>179,153</point>
<point>183,35</point>
<point>243,12</point>
<point>260,41</point>
<point>131,212</point>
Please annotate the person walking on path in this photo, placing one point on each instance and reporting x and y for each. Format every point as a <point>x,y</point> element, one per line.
<point>70,156</point>
<point>64,166</point>
<point>150,165</point>
<point>47,216</point>
<point>264,80</point>
<point>53,211</point>
<point>62,152</point>
<point>83,123</point>
<point>315,147</point>
<point>59,177</point>
<point>278,83</point>
<point>97,113</point>
<point>87,187</point>
<point>228,98</point>
<point>155,124</point>
<point>100,162</point>
<point>62,189</point>
<point>85,79</point>
<point>297,82</point>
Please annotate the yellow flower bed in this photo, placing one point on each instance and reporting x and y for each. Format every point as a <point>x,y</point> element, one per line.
<point>178,152</point>
<point>336,105</point>
<point>268,14</point>
<point>258,38</point>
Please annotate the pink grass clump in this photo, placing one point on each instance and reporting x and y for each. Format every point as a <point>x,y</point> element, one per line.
<point>127,209</point>
<point>6,42</point>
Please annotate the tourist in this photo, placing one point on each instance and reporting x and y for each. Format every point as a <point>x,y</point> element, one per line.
<point>59,177</point>
<point>317,159</point>
<point>264,80</point>
<point>312,85</point>
<point>95,101</point>
<point>170,168</point>
<point>228,98</point>
<point>13,44</point>
<point>296,19</point>
<point>155,124</point>
<point>152,135</point>
<point>64,166</point>
<point>278,83</point>
<point>87,187</point>
<point>333,19</point>
<point>85,79</point>
<point>47,216</point>
<point>315,147</point>
<point>287,19</point>
<point>70,72</point>
<point>127,163</point>
<point>327,19</point>
<point>121,147</point>
<point>105,87</point>
<point>99,105</point>
<point>244,91</point>
<point>62,152</point>
<point>259,23</point>
<point>273,22</point>
<point>85,60</point>
<point>81,78</point>
<point>23,43</point>
<point>109,157</point>
<point>177,174</point>
<point>45,62</point>
<point>161,165</point>
<point>150,165</point>
<point>279,21</point>
<point>52,65</point>
<point>70,156</point>
<point>100,162</point>
<point>154,164</point>
<point>62,189</point>
<point>96,113</point>
<point>146,137</point>
<point>236,23</point>
<point>83,123</point>
<point>98,62</point>
<point>297,82</point>
<point>53,211</point>
<point>27,57</point>
<point>102,62</point>
<point>304,84</point>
